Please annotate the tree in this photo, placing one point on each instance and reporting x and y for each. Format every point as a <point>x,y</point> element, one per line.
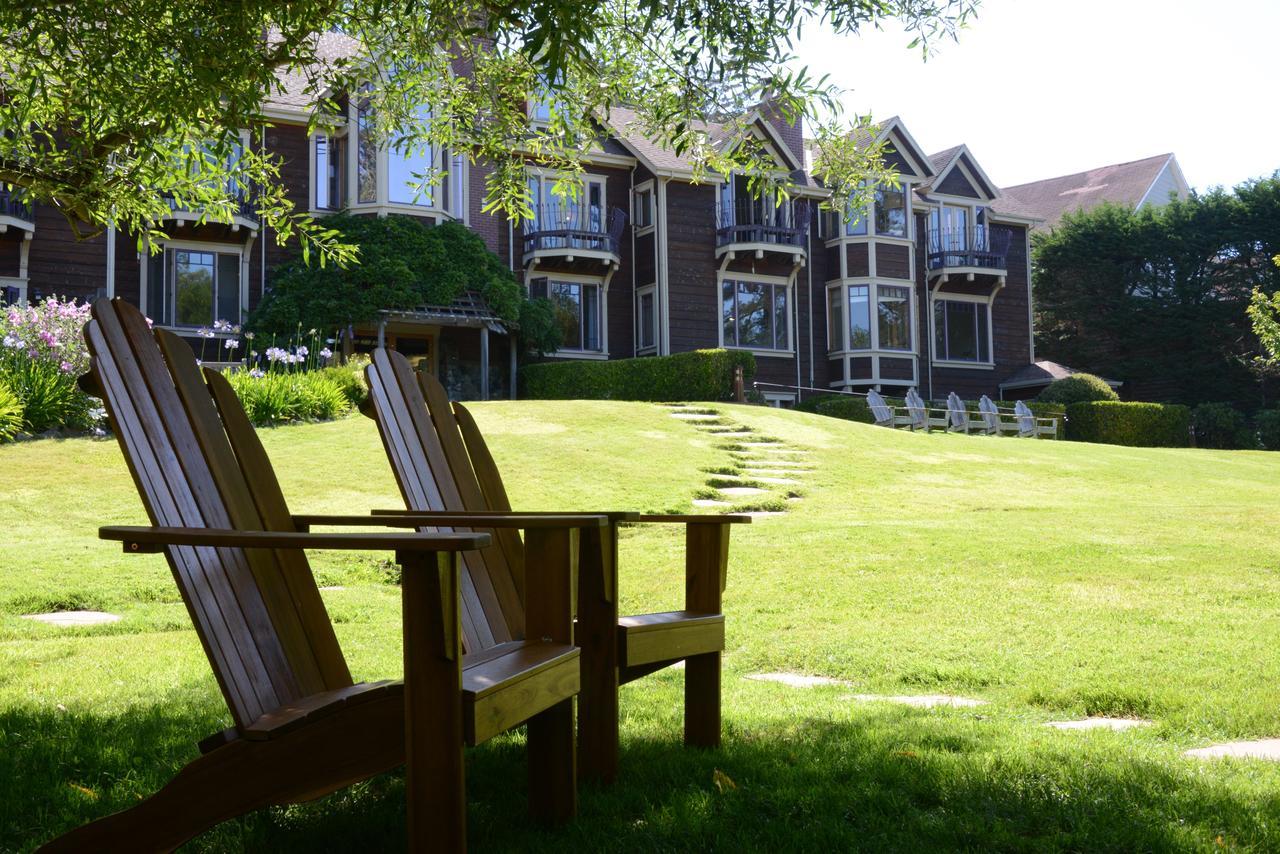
<point>1157,297</point>
<point>405,264</point>
<point>109,106</point>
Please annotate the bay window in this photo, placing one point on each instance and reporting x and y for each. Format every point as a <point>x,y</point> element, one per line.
<point>329,192</point>
<point>410,175</point>
<point>194,287</point>
<point>891,212</point>
<point>754,315</point>
<point>859,317</point>
<point>961,331</point>
<point>893,308</point>
<point>888,209</point>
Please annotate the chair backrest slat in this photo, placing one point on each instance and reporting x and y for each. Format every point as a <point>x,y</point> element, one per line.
<point>492,610</point>
<point>957,413</point>
<point>173,449</point>
<point>495,493</point>
<point>879,409</point>
<point>990,414</point>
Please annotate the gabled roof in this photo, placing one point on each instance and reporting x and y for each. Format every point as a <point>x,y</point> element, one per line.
<point>293,96</point>
<point>959,157</point>
<point>1121,183</point>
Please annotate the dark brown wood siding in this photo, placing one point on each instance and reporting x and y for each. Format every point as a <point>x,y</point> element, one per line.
<point>857,260</point>
<point>60,263</point>
<point>893,261</point>
<point>957,185</point>
<point>691,266</point>
<point>10,251</point>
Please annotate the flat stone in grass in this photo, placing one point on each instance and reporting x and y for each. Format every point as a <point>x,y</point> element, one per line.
<point>1117,724</point>
<point>740,491</point>
<point>795,680</point>
<point>781,481</point>
<point>923,701</point>
<point>69,619</point>
<point>694,416</point>
<point>708,502</point>
<point>333,587</point>
<point>1267,748</point>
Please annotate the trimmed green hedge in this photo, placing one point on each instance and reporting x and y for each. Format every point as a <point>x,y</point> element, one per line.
<point>848,408</point>
<point>1078,388</point>
<point>1141,425</point>
<point>697,375</point>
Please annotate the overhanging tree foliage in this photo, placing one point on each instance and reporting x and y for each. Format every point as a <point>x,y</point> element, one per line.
<point>405,264</point>
<point>108,106</point>
<point>1158,298</point>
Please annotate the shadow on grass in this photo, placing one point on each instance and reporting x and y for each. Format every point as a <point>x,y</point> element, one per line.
<point>886,782</point>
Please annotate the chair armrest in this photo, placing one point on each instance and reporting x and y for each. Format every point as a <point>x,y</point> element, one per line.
<point>610,515</point>
<point>412,519</point>
<point>141,539</point>
<point>696,519</point>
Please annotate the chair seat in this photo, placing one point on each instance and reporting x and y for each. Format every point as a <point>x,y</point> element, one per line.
<point>507,684</point>
<point>668,636</point>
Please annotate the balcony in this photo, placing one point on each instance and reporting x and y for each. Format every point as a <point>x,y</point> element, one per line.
<point>979,250</point>
<point>244,215</point>
<point>15,212</point>
<point>759,226</point>
<point>570,231</point>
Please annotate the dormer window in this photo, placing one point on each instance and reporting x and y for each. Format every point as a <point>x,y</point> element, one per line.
<point>544,104</point>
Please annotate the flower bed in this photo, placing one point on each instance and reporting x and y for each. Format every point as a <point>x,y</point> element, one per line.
<point>42,354</point>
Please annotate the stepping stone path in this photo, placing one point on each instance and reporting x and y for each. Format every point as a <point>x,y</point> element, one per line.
<point>796,680</point>
<point>1267,748</point>
<point>69,619</point>
<point>764,470</point>
<point>1116,724</point>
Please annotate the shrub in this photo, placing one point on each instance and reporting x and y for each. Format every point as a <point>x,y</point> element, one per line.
<point>42,352</point>
<point>697,375</point>
<point>278,398</point>
<point>49,396</point>
<point>349,378</point>
<point>1268,423</point>
<point>10,414</point>
<point>1077,388</point>
<point>1218,425</point>
<point>1144,425</point>
<point>848,408</point>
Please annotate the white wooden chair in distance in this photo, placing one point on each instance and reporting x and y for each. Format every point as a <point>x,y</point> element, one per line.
<point>883,413</point>
<point>991,415</point>
<point>1031,426</point>
<point>917,411</point>
<point>958,417</point>
<point>933,415</point>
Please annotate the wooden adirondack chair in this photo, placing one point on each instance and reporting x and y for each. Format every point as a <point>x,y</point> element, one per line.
<point>302,727</point>
<point>884,414</point>
<point>926,415</point>
<point>442,463</point>
<point>994,420</point>
<point>1030,426</point>
<point>959,418</point>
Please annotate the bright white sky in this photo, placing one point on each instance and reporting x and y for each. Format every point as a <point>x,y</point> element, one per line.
<point>1040,88</point>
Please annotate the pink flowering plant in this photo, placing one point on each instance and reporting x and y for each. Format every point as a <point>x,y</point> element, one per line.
<point>42,354</point>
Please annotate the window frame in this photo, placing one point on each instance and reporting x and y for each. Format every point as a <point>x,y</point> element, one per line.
<point>980,303</point>
<point>776,284</point>
<point>168,282</point>
<point>644,225</point>
<point>872,317</point>
<point>547,278</point>
<point>650,290</point>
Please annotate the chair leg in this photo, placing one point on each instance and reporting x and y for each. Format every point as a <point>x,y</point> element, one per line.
<point>553,779</point>
<point>702,700</point>
<point>340,749</point>
<point>597,635</point>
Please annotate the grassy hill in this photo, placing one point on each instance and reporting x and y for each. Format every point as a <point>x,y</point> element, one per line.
<point>1051,580</point>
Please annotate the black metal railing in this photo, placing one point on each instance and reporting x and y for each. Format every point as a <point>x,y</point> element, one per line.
<point>568,226</point>
<point>761,221</point>
<point>242,206</point>
<point>981,246</point>
<point>10,205</point>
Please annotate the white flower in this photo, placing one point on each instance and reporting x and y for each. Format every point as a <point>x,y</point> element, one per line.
<point>257,374</point>
<point>302,351</point>
<point>326,353</point>
<point>248,336</point>
<point>231,344</point>
<point>10,341</point>
<point>221,325</point>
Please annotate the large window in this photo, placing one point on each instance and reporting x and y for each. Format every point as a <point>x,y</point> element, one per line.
<point>859,317</point>
<point>411,170</point>
<point>646,319</point>
<point>893,306</point>
<point>413,175</point>
<point>194,287</point>
<point>891,212</point>
<point>754,315</point>
<point>643,215</point>
<point>960,329</point>
<point>328,172</point>
<point>577,314</point>
<point>584,212</point>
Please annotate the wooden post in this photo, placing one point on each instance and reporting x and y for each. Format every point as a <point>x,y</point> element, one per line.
<point>512,349</point>
<point>739,392</point>
<point>551,563</point>
<point>484,363</point>
<point>598,637</point>
<point>435,787</point>
<point>706,564</point>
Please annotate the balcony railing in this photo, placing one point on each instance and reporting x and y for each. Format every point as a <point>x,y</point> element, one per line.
<point>568,226</point>
<point>242,207</point>
<point>11,206</point>
<point>979,246</point>
<point>760,221</point>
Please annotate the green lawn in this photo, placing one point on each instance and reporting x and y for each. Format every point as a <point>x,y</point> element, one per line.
<point>1052,580</point>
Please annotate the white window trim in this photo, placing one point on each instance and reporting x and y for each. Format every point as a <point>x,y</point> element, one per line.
<point>577,278</point>
<point>382,204</point>
<point>989,302</point>
<point>217,249</point>
<point>907,187</point>
<point>641,291</point>
<point>873,286</point>
<point>642,187</point>
<point>752,278</point>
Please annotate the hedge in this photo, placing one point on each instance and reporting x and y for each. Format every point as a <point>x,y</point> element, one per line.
<point>697,375</point>
<point>848,408</point>
<point>1077,388</point>
<point>1141,425</point>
